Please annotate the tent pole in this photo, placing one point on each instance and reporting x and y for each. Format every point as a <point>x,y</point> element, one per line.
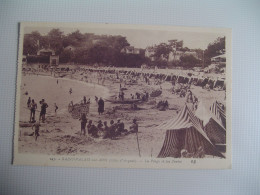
<point>138,144</point>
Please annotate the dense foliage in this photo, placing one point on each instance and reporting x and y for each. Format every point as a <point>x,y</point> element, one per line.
<point>89,48</point>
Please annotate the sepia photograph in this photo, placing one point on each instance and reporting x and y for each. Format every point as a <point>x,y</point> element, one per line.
<point>126,96</point>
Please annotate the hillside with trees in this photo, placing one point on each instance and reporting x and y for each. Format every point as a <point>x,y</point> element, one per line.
<point>106,50</point>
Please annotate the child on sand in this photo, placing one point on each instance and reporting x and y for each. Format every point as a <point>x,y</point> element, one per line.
<point>36,127</point>
<point>56,107</point>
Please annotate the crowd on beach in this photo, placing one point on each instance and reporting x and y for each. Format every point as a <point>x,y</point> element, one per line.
<point>105,130</point>
<point>111,129</point>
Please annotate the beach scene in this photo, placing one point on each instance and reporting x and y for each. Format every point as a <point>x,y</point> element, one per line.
<point>122,93</point>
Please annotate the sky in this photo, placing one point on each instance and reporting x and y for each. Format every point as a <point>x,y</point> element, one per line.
<point>143,38</point>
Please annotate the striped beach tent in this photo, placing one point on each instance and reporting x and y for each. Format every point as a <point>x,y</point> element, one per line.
<point>213,128</point>
<point>185,132</point>
<point>219,112</point>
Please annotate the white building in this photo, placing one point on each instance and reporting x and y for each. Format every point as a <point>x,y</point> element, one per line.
<point>130,50</point>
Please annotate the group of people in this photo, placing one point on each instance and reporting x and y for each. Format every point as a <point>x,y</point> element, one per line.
<point>103,130</point>
<point>32,105</point>
<point>190,98</point>
<point>162,105</point>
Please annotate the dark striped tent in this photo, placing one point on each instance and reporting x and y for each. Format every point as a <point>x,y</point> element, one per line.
<point>219,112</point>
<point>185,132</point>
<point>212,126</point>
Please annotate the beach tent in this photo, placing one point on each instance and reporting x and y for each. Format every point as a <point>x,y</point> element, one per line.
<point>215,131</point>
<point>219,113</point>
<point>185,132</point>
<point>219,83</point>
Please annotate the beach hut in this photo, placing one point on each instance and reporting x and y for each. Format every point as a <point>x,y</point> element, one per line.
<point>185,132</point>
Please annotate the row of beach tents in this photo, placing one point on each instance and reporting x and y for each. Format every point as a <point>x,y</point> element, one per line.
<point>180,78</point>
<point>190,130</point>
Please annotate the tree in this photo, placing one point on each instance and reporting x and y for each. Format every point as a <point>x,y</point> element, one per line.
<point>31,43</point>
<point>214,49</point>
<point>162,51</point>
<point>55,37</point>
<point>75,38</point>
<point>188,61</point>
<point>67,56</point>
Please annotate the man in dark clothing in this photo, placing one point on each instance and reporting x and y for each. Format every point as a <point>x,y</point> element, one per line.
<point>112,130</point>
<point>134,127</point>
<point>33,107</point>
<point>120,127</point>
<point>89,126</point>
<point>44,106</point>
<point>83,124</point>
<point>101,105</point>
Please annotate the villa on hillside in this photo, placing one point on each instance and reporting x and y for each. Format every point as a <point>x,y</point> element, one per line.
<point>220,59</point>
<point>130,50</point>
<point>149,52</point>
<point>45,52</point>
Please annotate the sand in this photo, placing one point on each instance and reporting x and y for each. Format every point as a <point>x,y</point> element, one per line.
<point>60,134</point>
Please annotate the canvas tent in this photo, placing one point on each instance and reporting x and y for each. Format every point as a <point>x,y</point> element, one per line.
<point>212,126</point>
<point>185,132</point>
<point>219,113</point>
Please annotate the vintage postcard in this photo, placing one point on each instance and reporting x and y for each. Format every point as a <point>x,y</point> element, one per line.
<point>123,96</point>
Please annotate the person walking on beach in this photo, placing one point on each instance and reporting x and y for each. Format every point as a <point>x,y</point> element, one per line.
<point>84,121</point>
<point>56,107</point>
<point>101,105</point>
<point>44,106</point>
<point>36,127</point>
<point>33,107</point>
<point>29,102</point>
<point>70,91</point>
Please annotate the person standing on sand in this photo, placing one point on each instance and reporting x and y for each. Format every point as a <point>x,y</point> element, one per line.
<point>101,105</point>
<point>29,102</point>
<point>33,107</point>
<point>84,121</point>
<point>44,106</point>
<point>36,127</point>
<point>56,107</point>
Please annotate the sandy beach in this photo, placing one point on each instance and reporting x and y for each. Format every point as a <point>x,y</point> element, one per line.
<point>61,133</point>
